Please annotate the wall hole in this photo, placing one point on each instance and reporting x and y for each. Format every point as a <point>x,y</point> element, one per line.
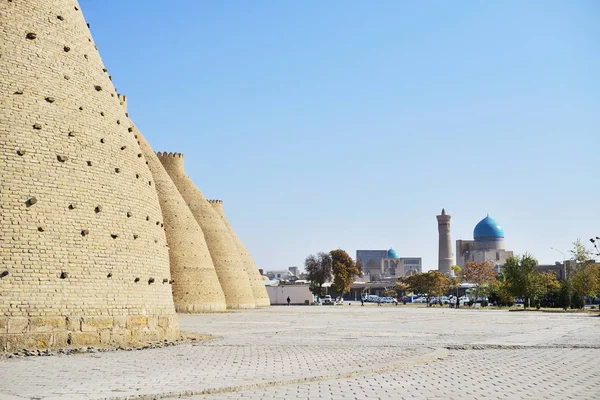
<point>101,140</point>
<point>89,163</point>
<point>72,206</point>
<point>135,237</point>
<point>98,88</point>
<point>19,92</point>
<point>40,229</point>
<point>118,122</point>
<point>31,202</point>
<point>60,17</point>
<point>21,152</point>
<point>3,274</point>
<point>137,176</point>
<point>139,155</point>
<point>85,232</point>
<point>64,275</point>
<point>123,147</point>
<point>67,49</point>
<point>85,56</point>
<point>71,134</point>
<point>147,218</point>
<point>129,214</point>
<point>165,280</point>
<point>117,170</point>
<point>98,209</point>
<point>31,36</point>
<point>50,99</point>
<point>102,113</point>
<point>150,281</point>
<point>37,126</point>
<point>114,236</point>
<point>136,280</point>
<point>61,158</point>
<point>130,129</point>
<point>67,77</point>
<point>81,108</point>
<point>109,275</point>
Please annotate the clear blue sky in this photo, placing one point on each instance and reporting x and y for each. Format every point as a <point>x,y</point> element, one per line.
<point>350,124</point>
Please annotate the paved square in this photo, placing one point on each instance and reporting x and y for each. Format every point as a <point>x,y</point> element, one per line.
<point>337,352</point>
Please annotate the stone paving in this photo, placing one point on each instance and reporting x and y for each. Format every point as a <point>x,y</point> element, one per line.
<point>348,352</point>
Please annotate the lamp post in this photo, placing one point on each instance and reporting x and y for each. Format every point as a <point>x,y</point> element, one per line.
<point>564,261</point>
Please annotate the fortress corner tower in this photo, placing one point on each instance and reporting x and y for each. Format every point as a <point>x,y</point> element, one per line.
<point>261,297</point>
<point>445,258</point>
<point>196,287</point>
<point>225,255</point>
<point>83,256</point>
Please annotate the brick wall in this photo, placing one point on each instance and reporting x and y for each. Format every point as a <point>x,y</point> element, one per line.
<point>196,287</point>
<point>256,282</point>
<point>84,253</point>
<point>230,269</point>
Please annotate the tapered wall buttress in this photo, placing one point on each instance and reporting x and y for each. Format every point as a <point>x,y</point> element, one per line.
<point>83,252</point>
<point>196,287</point>
<point>261,297</point>
<point>230,269</point>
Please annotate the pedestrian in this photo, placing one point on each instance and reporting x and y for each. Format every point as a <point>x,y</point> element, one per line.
<point>362,302</point>
<point>289,300</point>
<point>379,301</point>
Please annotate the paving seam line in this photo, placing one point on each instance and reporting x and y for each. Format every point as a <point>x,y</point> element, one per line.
<point>437,354</point>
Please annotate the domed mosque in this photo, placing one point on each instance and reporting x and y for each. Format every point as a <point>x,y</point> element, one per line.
<point>488,245</point>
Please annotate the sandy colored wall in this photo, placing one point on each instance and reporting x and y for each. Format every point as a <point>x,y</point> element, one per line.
<point>84,254</point>
<point>226,259</point>
<point>196,287</point>
<point>256,282</point>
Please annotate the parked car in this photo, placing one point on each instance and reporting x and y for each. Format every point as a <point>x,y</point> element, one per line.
<point>327,300</point>
<point>389,300</point>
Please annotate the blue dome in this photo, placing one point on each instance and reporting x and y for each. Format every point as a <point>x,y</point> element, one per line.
<point>392,254</point>
<point>488,228</point>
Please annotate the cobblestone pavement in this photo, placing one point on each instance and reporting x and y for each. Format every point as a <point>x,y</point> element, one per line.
<point>336,352</point>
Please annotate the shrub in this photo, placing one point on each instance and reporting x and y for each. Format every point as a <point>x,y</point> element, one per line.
<point>471,303</point>
<point>484,303</point>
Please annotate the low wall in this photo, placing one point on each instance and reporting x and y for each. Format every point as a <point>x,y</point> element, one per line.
<point>299,294</point>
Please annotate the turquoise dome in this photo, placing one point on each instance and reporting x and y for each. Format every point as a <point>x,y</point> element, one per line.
<point>488,228</point>
<point>392,254</point>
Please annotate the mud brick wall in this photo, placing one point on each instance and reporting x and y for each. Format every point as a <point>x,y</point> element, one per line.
<point>84,257</point>
<point>259,291</point>
<point>226,259</point>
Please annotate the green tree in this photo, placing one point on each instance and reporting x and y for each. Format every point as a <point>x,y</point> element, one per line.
<point>318,270</point>
<point>586,282</point>
<point>522,280</point>
<point>344,270</point>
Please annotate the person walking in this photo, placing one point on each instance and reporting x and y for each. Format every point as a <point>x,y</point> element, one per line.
<point>288,300</point>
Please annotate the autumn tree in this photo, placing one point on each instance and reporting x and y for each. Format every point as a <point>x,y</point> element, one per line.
<point>481,274</point>
<point>318,270</point>
<point>432,283</point>
<point>344,269</point>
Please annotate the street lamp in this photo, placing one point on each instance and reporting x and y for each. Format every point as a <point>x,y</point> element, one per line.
<point>564,261</point>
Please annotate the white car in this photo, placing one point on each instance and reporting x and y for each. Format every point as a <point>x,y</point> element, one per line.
<point>327,300</point>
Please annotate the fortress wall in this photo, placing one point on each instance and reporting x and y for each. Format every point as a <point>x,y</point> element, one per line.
<point>230,269</point>
<point>196,287</point>
<point>83,251</point>
<point>261,297</point>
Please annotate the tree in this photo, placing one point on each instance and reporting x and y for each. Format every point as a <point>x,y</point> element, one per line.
<point>344,270</point>
<point>586,282</point>
<point>318,270</point>
<point>582,279</point>
<point>522,279</point>
<point>432,283</point>
<point>481,274</point>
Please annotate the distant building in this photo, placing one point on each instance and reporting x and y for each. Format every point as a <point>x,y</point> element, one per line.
<point>284,274</point>
<point>381,265</point>
<point>445,256</point>
<point>488,245</point>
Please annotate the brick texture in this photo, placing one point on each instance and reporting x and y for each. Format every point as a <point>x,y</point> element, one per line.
<point>256,282</point>
<point>226,259</point>
<point>81,227</point>
<point>196,287</point>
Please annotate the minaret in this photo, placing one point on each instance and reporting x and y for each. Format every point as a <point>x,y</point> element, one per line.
<point>445,258</point>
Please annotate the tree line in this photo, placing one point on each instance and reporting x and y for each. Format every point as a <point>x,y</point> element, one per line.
<point>336,267</point>
<point>518,278</point>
